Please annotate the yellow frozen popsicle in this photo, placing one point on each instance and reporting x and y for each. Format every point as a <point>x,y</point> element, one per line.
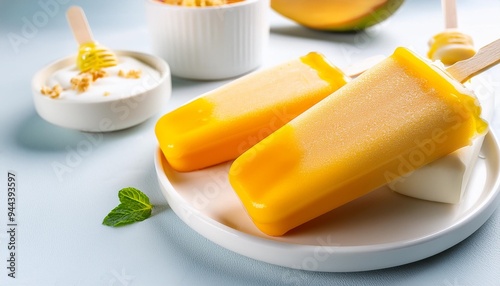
<point>398,116</point>
<point>222,124</point>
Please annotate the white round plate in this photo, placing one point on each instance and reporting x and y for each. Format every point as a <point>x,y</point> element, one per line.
<point>380,230</point>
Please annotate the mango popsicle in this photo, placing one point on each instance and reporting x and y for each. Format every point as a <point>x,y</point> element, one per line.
<point>398,116</point>
<point>222,124</point>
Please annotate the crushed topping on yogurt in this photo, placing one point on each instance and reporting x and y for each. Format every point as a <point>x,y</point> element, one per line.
<point>130,73</point>
<point>81,82</point>
<point>52,92</point>
<point>128,78</point>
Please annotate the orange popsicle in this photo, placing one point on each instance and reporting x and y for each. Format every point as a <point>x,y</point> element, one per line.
<point>396,117</point>
<point>222,124</point>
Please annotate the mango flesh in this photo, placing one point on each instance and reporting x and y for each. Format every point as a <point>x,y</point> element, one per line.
<point>222,124</point>
<point>392,119</point>
<point>337,15</point>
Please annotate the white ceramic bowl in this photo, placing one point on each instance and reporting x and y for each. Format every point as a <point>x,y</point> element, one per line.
<point>108,114</point>
<point>209,43</point>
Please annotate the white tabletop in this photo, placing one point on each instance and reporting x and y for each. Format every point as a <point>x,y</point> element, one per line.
<point>59,236</point>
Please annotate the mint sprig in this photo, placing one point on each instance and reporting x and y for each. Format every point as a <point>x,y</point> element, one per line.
<point>134,206</point>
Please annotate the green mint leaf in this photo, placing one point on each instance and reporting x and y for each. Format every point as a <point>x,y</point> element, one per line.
<point>134,206</point>
<point>133,196</point>
<point>122,215</point>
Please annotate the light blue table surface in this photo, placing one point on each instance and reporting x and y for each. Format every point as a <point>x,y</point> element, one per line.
<point>60,239</point>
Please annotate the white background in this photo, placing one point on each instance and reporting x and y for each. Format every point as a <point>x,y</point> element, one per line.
<point>60,238</point>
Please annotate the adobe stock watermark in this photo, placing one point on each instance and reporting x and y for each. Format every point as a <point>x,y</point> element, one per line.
<point>455,282</point>
<point>213,188</point>
<point>484,87</point>
<point>121,110</point>
<point>263,136</point>
<point>323,251</point>
<point>280,117</point>
<point>32,25</point>
<point>75,155</point>
<point>118,278</point>
<point>130,101</point>
<point>218,181</point>
<point>210,191</point>
<point>426,148</point>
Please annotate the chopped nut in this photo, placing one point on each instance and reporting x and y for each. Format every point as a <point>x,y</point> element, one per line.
<point>81,82</point>
<point>96,74</point>
<point>130,73</point>
<point>53,92</point>
<point>46,90</point>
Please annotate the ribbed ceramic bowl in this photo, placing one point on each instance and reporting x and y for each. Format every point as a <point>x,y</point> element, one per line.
<point>209,43</point>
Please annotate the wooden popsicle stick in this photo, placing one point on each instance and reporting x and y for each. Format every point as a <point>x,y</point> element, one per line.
<point>450,13</point>
<point>358,68</point>
<point>79,25</point>
<point>484,59</point>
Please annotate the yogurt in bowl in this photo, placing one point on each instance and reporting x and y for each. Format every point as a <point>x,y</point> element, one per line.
<point>110,99</point>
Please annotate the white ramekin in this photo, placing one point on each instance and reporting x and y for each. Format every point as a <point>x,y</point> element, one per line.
<point>104,115</point>
<point>209,43</point>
